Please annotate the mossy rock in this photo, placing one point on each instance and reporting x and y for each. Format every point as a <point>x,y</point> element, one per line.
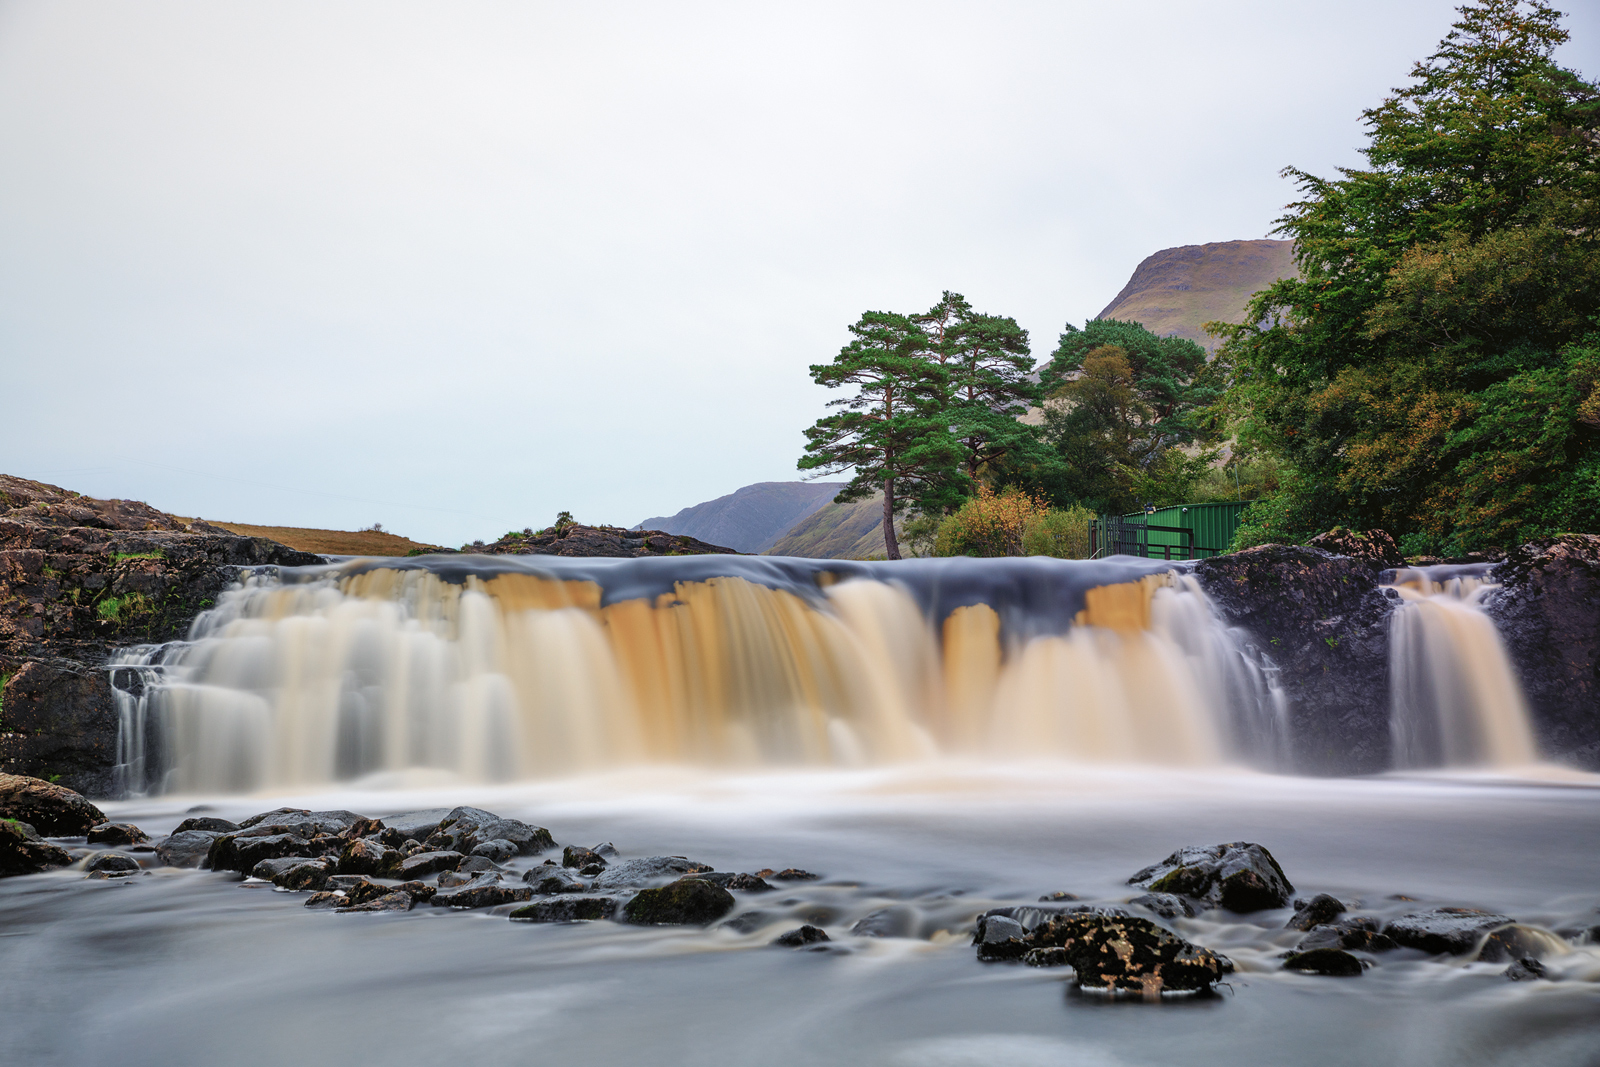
<point>686,902</point>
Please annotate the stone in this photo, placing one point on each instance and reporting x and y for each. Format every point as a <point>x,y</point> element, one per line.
<point>23,851</point>
<point>1517,942</point>
<point>1166,905</point>
<point>1122,954</point>
<point>885,922</point>
<point>794,874</point>
<point>116,833</point>
<point>575,539</point>
<point>111,861</point>
<point>647,871</point>
<point>743,883</point>
<point>295,872</point>
<point>1526,969</point>
<point>1326,961</point>
<point>486,890</point>
<point>1318,911</point>
<point>1239,876</point>
<point>1375,547</point>
<point>606,849</point>
<point>1058,895</point>
<point>463,829</point>
<point>421,892</point>
<point>1358,932</point>
<point>367,856</point>
<point>327,899</point>
<point>425,863</point>
<point>391,901</point>
<point>205,822</point>
<point>185,848</point>
<point>301,823</point>
<point>478,864</point>
<point>239,852</point>
<point>416,824</point>
<point>566,909</point>
<point>1045,957</point>
<point>1444,930</point>
<point>52,810</point>
<point>499,849</point>
<point>686,902</point>
<point>801,936</point>
<point>1000,937</point>
<point>547,881</point>
<point>576,856</point>
<point>365,828</point>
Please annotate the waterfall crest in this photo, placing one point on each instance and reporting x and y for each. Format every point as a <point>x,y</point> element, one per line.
<point>497,672</point>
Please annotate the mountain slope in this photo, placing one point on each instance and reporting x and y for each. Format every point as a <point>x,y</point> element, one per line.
<point>1177,289</point>
<point>750,519</point>
<point>837,531</point>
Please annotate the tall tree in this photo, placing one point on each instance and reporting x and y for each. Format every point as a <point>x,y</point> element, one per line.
<point>892,431</point>
<point>989,363</point>
<point>1429,370</point>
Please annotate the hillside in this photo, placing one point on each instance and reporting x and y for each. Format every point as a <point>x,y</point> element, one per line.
<point>751,519</point>
<point>837,531</point>
<point>1177,289</point>
<point>329,542</point>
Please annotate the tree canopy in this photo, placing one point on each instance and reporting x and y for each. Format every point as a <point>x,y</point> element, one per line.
<point>1433,369</point>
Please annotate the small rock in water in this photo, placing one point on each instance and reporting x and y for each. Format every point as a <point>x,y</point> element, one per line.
<point>547,881</point>
<point>648,870</point>
<point>185,848</point>
<point>478,864</point>
<point>566,909</point>
<point>1328,961</point>
<point>112,862</point>
<point>1516,942</point>
<point>744,883</point>
<point>116,833</point>
<point>1526,969</point>
<point>1320,910</point>
<point>23,851</point>
<point>243,850</point>
<point>1240,876</point>
<point>463,829</point>
<point>1441,930</point>
<point>1120,954</point>
<point>576,856</point>
<point>364,828</point>
<point>885,922</point>
<point>295,872</point>
<point>803,935</point>
<point>793,874</point>
<point>366,856</point>
<point>498,850</point>
<point>1000,937</point>
<point>392,901</point>
<point>486,890</point>
<point>1061,894</point>
<point>1166,905</point>
<point>421,892</point>
<point>1046,957</point>
<point>1359,932</point>
<point>606,849</point>
<point>205,822</point>
<point>686,902</point>
<point>424,863</point>
<point>327,899</point>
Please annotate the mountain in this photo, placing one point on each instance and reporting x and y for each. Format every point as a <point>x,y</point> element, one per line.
<point>751,519</point>
<point>837,531</point>
<point>1177,289</point>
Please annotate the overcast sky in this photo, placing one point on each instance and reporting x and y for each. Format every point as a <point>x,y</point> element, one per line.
<point>456,266</point>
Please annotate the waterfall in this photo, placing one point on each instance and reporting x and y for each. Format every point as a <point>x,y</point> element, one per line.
<point>1454,699</point>
<point>500,668</point>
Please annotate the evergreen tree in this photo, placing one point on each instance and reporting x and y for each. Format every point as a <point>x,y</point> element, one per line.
<point>893,431</point>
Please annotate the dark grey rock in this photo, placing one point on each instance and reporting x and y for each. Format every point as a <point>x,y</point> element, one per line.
<point>1240,876</point>
<point>801,936</point>
<point>369,856</point>
<point>52,810</point>
<point>1514,942</point>
<point>1444,930</point>
<point>23,851</point>
<point>1326,961</point>
<point>1526,969</point>
<point>391,901</point>
<point>499,849</point>
<point>417,824</point>
<point>1356,933</point>
<point>485,890</point>
<point>1166,905</point>
<point>1000,938</point>
<point>425,863</point>
<point>1318,911</point>
<point>547,881</point>
<point>242,851</point>
<point>205,822</point>
<point>744,883</point>
<point>578,857</point>
<point>647,871</point>
<point>463,829</point>
<point>686,902</point>
<point>114,834</point>
<point>566,909</point>
<point>111,861</point>
<point>606,849</point>
<point>186,848</point>
<point>298,821</point>
<point>295,872</point>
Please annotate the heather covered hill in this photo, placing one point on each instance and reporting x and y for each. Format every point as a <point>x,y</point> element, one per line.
<point>1176,290</point>
<point>837,531</point>
<point>751,519</point>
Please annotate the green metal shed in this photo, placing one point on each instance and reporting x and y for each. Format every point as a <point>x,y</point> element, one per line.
<point>1178,531</point>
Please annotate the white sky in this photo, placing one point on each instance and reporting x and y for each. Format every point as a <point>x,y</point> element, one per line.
<point>454,267</point>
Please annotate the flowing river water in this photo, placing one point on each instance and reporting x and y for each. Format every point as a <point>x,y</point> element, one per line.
<point>969,737</point>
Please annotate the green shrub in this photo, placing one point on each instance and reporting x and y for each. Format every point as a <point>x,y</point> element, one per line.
<point>1063,533</point>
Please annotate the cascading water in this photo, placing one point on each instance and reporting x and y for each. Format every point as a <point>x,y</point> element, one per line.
<point>1454,698</point>
<point>497,668</point>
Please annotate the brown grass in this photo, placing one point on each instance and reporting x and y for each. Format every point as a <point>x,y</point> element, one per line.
<point>329,542</point>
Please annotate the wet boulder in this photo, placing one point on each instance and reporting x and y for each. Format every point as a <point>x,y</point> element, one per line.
<point>497,849</point>
<point>185,848</point>
<point>295,872</point>
<point>327,898</point>
<point>417,825</point>
<point>1122,954</point>
<point>686,902</point>
<point>242,851</point>
<point>578,857</point>
<point>566,910</point>
<point>1526,969</point>
<point>485,890</point>
<point>1517,942</point>
<point>394,900</point>
<point>647,871</point>
<point>300,822</point>
<point>548,881</point>
<point>1375,547</point>
<point>114,834</point>
<point>744,883</point>
<point>365,855</point>
<point>1166,905</point>
<point>895,921</point>
<point>1455,931</point>
<point>52,810</point>
<point>1320,910</point>
<point>802,936</point>
<point>422,864</point>
<point>116,862</point>
<point>1332,962</point>
<point>1000,937</point>
<point>23,851</point>
<point>464,829</point>
<point>1239,876</point>
<point>206,822</point>
<point>1356,933</point>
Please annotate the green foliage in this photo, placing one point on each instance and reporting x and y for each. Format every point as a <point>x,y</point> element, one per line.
<point>1432,372</point>
<point>118,557</point>
<point>989,523</point>
<point>892,431</point>
<point>920,534</point>
<point>125,608</point>
<point>1059,532</point>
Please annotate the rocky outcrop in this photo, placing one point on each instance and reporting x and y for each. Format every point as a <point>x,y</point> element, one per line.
<point>78,578</point>
<point>23,851</point>
<point>1239,876</point>
<point>575,539</point>
<point>49,808</point>
<point>1444,930</point>
<point>1376,547</point>
<point>1548,612</point>
<point>686,902</point>
<point>1324,621</point>
<point>1122,954</point>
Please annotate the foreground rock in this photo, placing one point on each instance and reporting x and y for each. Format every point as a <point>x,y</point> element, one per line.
<point>648,871</point>
<point>1547,610</point>
<point>187,848</point>
<point>485,890</point>
<point>1239,876</point>
<point>1323,619</point>
<point>575,539</point>
<point>1107,953</point>
<point>469,830</point>
<point>78,578</point>
<point>23,851</point>
<point>52,810</point>
<point>566,909</point>
<point>1325,961</point>
<point>686,902</point>
<point>1444,930</point>
<point>115,834</point>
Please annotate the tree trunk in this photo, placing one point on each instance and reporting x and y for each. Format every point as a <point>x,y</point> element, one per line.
<point>891,545</point>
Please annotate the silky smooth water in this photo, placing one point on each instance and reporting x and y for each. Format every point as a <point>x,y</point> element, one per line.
<point>187,967</point>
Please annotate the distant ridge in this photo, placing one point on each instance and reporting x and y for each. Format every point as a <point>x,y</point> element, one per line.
<point>1176,290</point>
<point>837,531</point>
<point>750,519</point>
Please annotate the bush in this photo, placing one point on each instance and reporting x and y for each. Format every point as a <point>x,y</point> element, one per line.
<point>989,524</point>
<point>1060,533</point>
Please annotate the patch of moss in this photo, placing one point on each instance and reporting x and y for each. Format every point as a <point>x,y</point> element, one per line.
<point>124,608</point>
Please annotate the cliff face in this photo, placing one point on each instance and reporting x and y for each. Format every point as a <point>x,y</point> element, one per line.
<point>751,519</point>
<point>1178,289</point>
